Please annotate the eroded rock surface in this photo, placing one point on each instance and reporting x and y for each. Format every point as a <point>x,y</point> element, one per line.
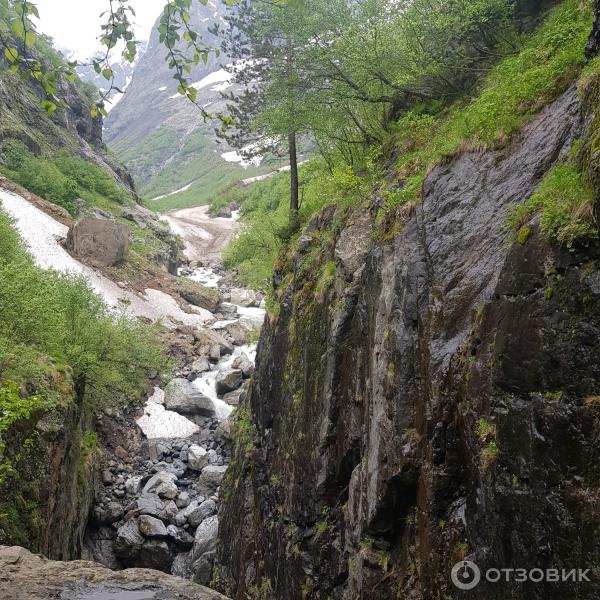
<point>432,404</point>
<point>25,576</point>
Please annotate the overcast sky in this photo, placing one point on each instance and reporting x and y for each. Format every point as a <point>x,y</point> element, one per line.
<point>75,24</point>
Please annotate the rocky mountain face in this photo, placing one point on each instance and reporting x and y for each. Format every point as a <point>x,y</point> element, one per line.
<point>70,128</point>
<point>437,402</point>
<point>160,135</point>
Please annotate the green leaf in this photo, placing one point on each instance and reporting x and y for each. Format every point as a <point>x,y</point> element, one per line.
<point>107,73</point>
<point>12,54</point>
<point>49,106</point>
<point>30,39</point>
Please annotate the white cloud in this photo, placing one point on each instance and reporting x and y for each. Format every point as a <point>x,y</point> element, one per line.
<point>75,24</point>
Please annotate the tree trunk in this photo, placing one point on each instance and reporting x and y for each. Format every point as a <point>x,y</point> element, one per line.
<point>294,173</point>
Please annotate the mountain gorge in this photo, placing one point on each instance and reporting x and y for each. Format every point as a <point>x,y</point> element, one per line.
<point>361,399</point>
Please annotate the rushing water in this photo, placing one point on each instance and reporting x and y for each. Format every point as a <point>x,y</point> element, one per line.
<point>161,423</point>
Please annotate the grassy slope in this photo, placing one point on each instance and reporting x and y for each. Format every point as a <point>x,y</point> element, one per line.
<point>514,91</point>
<point>194,161</point>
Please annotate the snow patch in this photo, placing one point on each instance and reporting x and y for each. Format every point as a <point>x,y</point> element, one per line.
<point>41,234</point>
<point>185,188</point>
<point>158,422</point>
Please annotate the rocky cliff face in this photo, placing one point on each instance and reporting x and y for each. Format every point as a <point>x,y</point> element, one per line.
<point>46,507</point>
<point>435,401</point>
<point>70,128</point>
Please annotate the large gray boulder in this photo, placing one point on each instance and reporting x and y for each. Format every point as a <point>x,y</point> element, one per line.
<point>151,526</point>
<point>180,537</point>
<point>207,509</point>
<point>150,504</point>
<point>163,485</point>
<point>156,554</point>
<point>98,242</point>
<point>183,397</point>
<point>228,381</point>
<point>243,297</point>
<point>129,540</point>
<point>244,364</point>
<point>197,457</point>
<point>26,576</point>
<point>182,565</point>
<point>206,537</point>
<point>212,476</point>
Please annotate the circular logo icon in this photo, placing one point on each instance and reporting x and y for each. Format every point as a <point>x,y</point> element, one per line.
<point>466,575</point>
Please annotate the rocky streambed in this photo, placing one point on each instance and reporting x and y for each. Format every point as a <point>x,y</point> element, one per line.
<point>158,498</point>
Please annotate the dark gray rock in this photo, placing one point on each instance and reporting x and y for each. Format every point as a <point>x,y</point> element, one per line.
<point>228,381</point>
<point>183,397</point>
<point>180,537</point>
<point>129,540</point>
<point>151,526</point>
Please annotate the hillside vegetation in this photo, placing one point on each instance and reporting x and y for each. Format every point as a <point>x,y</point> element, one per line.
<point>61,349</point>
<point>536,68</point>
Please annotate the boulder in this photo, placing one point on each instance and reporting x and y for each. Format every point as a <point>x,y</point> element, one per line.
<point>228,381</point>
<point>182,565</point>
<point>200,365</point>
<point>98,242</point>
<point>180,537</point>
<point>243,297</point>
<point>183,500</point>
<point>197,457</point>
<point>206,537</point>
<point>129,540</point>
<point>183,397</point>
<point>209,338</point>
<point>244,364</point>
<point>212,476</point>
<point>207,509</point>
<point>202,568</point>
<point>151,526</point>
<point>26,576</point>
<point>163,485</point>
<point>150,504</point>
<point>199,295</point>
<point>234,398</point>
<point>133,485</point>
<point>156,554</point>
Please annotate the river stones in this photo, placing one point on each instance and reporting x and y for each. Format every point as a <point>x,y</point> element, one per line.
<point>197,457</point>
<point>129,540</point>
<point>212,476</point>
<point>163,485</point>
<point>149,504</point>
<point>180,537</point>
<point>228,381</point>
<point>244,364</point>
<point>151,526</point>
<point>183,397</point>
<point>200,513</point>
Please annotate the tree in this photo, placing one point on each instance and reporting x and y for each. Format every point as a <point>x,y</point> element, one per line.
<point>266,41</point>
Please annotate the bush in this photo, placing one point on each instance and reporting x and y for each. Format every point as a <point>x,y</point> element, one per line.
<point>46,314</point>
<point>266,224</point>
<point>565,201</point>
<point>61,180</point>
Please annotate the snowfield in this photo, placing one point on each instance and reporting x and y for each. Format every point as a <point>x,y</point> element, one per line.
<point>41,234</point>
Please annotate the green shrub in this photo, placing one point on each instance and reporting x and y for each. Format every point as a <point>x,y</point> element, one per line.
<point>44,313</point>
<point>514,90</point>
<point>565,202</point>
<point>266,223</point>
<point>61,180</point>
